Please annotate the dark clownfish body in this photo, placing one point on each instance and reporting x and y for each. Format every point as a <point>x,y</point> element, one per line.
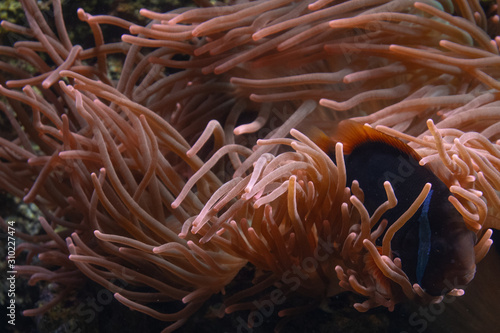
<point>435,247</point>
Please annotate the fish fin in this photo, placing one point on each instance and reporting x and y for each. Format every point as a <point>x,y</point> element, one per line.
<point>353,134</point>
<point>320,138</point>
<point>383,283</point>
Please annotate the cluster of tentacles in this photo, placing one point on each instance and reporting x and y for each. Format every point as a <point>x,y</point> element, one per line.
<point>162,185</point>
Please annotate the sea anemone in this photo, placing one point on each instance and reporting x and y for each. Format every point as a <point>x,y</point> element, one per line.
<point>197,162</point>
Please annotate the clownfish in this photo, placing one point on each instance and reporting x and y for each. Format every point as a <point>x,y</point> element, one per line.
<point>435,246</point>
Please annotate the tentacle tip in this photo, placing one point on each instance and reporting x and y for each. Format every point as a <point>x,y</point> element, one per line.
<point>456,292</point>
